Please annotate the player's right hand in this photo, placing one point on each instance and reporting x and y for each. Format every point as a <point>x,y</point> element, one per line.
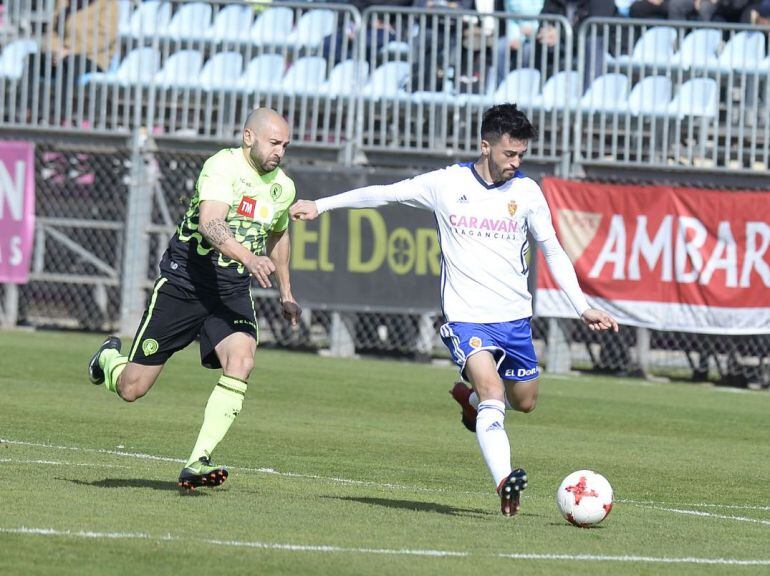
<point>261,267</point>
<point>303,210</point>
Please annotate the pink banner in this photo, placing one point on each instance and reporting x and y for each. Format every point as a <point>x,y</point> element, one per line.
<point>17,210</point>
<point>668,258</point>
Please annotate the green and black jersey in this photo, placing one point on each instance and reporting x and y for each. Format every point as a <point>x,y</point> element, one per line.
<point>259,204</point>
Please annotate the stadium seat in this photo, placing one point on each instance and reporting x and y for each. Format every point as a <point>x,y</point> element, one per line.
<point>521,86</point>
<point>744,52</point>
<point>312,28</point>
<point>607,93</point>
<point>305,76</point>
<point>386,81</point>
<point>696,97</point>
<point>13,58</point>
<point>654,48</point>
<point>148,19</point>
<point>272,26</point>
<point>342,80</point>
<point>231,24</point>
<point>139,65</point>
<point>221,72</point>
<point>650,96</point>
<point>179,69</point>
<point>189,22</point>
<point>560,91</point>
<point>428,98</point>
<point>263,73</point>
<point>698,48</point>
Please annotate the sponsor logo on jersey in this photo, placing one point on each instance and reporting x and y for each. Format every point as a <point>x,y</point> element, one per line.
<point>246,206</point>
<point>149,346</point>
<point>462,199</point>
<point>275,191</point>
<point>480,223</point>
<point>474,342</point>
<point>512,207</point>
<point>264,212</point>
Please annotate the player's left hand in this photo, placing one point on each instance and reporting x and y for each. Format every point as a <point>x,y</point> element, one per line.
<point>291,311</point>
<point>598,320</point>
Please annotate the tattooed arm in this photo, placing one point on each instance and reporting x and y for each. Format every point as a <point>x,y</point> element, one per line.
<point>215,229</point>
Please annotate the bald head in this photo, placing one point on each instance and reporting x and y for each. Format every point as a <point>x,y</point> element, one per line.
<point>265,138</point>
<point>260,118</point>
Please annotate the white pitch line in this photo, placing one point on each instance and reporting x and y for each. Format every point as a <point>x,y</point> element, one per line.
<point>60,463</point>
<point>143,456</point>
<point>697,504</point>
<point>709,515</point>
<point>328,549</point>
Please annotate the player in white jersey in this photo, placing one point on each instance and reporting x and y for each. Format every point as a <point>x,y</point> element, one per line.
<point>485,212</point>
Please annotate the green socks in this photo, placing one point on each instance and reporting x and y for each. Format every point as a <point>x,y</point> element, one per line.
<point>223,407</point>
<point>113,364</point>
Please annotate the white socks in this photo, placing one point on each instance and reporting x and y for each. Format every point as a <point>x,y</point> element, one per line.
<point>473,399</point>
<point>493,441</point>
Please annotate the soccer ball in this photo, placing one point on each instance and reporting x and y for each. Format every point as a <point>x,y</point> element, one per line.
<point>584,498</point>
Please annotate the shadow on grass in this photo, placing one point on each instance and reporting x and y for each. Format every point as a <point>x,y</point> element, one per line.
<point>417,506</point>
<point>166,485</point>
<point>566,524</point>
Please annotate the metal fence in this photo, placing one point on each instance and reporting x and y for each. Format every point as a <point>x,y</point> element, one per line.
<point>647,93</point>
<point>114,168</point>
<point>673,95</point>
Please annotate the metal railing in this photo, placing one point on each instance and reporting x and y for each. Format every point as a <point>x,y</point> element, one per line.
<point>433,73</point>
<point>673,95</point>
<point>644,93</point>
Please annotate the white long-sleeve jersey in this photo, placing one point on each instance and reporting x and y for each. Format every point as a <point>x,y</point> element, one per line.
<point>482,231</point>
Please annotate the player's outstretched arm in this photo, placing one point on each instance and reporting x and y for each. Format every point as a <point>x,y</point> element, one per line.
<point>598,320</point>
<point>416,192</point>
<point>564,273</point>
<point>303,210</point>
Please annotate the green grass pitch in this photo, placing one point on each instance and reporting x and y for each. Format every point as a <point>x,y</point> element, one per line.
<point>362,467</point>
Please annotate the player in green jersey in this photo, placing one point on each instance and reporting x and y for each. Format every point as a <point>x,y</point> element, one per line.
<point>236,228</point>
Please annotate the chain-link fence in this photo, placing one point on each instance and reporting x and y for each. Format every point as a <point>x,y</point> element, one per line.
<point>78,248</point>
<point>88,230</point>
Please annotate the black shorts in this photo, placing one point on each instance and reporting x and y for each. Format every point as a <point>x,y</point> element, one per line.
<point>175,316</point>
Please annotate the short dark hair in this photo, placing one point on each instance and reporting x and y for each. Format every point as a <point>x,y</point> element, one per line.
<point>506,119</point>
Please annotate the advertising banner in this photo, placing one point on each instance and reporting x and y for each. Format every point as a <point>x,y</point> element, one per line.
<point>384,259</point>
<point>667,258</point>
<point>17,210</point>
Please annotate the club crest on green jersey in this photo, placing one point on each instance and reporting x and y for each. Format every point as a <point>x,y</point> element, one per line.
<point>275,191</point>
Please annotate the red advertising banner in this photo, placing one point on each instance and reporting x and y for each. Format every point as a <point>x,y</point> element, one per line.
<point>17,210</point>
<point>667,258</point>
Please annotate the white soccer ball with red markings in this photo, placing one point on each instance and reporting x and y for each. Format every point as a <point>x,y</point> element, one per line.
<point>584,498</point>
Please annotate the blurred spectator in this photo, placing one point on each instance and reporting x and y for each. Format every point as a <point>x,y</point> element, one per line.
<point>438,38</point>
<point>575,11</point>
<point>649,9</point>
<point>84,36</point>
<point>623,7</point>
<point>519,35</point>
<point>376,38</point>
<point>759,14</point>
<point>707,10</point>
